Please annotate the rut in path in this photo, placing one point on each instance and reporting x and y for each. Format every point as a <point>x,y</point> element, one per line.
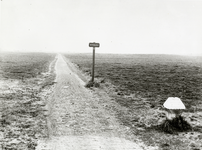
<point>77,121</point>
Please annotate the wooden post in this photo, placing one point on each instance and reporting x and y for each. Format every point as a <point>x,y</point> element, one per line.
<point>93,67</point>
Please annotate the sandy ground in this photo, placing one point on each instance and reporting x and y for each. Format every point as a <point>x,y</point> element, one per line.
<point>77,119</point>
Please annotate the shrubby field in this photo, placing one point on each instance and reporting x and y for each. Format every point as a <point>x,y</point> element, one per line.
<point>151,76</point>
<point>23,77</point>
<point>24,65</point>
<point>142,83</point>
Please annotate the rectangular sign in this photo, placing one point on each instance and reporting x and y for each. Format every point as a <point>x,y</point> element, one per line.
<point>94,45</point>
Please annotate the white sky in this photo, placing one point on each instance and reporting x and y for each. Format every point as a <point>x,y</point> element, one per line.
<point>120,26</point>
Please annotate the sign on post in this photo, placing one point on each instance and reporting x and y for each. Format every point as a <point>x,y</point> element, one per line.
<point>94,44</point>
<point>93,66</point>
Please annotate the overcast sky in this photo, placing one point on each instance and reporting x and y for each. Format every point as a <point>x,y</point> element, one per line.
<point>120,26</point>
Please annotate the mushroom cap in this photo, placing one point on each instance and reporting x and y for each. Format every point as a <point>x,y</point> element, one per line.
<point>174,103</point>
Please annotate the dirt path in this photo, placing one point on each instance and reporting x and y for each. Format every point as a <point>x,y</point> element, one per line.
<point>77,121</point>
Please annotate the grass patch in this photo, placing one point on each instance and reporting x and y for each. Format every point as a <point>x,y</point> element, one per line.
<point>142,83</point>
<point>24,65</point>
<point>23,118</point>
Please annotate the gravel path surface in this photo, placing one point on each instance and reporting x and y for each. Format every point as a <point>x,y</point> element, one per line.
<point>78,121</point>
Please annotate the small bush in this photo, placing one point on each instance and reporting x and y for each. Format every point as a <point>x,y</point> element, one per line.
<point>178,124</point>
<point>96,85</point>
<point>89,84</point>
<point>92,84</point>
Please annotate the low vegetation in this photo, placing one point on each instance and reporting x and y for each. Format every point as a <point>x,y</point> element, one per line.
<point>24,65</point>
<point>142,83</point>
<point>22,111</point>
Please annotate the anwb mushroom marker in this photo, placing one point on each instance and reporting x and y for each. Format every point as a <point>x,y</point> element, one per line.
<point>174,105</point>
<point>174,121</point>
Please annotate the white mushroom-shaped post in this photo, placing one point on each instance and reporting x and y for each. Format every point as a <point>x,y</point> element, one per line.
<point>175,106</point>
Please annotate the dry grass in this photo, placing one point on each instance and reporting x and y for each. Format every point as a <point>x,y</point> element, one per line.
<point>23,120</point>
<point>178,124</point>
<point>141,84</point>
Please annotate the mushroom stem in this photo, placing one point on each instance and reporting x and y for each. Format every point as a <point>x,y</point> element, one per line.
<point>173,113</point>
<point>177,112</point>
<point>170,115</point>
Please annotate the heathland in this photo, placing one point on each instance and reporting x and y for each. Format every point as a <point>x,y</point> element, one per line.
<point>23,77</point>
<point>132,87</point>
<point>142,83</point>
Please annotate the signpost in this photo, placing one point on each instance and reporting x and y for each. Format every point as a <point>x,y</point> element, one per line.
<point>93,45</point>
